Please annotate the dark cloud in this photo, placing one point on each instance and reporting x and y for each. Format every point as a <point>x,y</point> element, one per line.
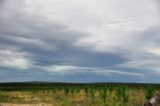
<point>1,2</point>
<point>34,75</point>
<point>51,43</point>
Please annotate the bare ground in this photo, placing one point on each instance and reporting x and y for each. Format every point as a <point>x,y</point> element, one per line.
<point>10,104</point>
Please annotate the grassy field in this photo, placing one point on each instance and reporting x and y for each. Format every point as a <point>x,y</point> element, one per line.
<point>68,94</point>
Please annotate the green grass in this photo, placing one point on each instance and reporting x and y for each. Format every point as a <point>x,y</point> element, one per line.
<point>76,94</point>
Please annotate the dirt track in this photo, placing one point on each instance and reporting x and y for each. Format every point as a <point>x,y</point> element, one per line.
<point>9,104</point>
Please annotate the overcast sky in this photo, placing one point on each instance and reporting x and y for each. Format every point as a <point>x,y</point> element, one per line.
<point>80,40</point>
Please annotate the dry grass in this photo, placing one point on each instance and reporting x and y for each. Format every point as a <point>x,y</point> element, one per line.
<point>21,98</point>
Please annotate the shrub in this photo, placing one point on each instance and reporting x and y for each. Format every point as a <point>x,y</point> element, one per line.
<point>66,91</point>
<point>86,89</point>
<point>92,91</point>
<point>149,92</point>
<point>122,95</point>
<point>104,93</point>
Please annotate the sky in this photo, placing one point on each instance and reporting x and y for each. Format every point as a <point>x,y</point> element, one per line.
<point>80,40</point>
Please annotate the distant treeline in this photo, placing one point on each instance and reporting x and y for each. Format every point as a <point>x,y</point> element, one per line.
<point>52,85</point>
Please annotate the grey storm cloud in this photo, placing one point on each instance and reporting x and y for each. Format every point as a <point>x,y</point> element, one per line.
<point>65,41</point>
<point>39,38</point>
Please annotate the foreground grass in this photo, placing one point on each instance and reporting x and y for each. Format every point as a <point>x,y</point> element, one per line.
<point>136,98</point>
<point>72,96</point>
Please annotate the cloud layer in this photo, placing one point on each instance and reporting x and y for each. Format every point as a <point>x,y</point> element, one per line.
<point>80,41</point>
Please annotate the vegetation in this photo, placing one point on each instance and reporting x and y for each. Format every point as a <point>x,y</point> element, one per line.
<point>104,94</point>
<point>121,93</point>
<point>68,94</point>
<point>149,91</point>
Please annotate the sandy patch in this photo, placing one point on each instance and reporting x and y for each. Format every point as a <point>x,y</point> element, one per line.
<point>9,104</point>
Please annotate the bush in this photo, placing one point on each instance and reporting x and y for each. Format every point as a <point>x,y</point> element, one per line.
<point>66,91</point>
<point>121,94</point>
<point>92,91</point>
<point>104,93</point>
<point>149,92</point>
